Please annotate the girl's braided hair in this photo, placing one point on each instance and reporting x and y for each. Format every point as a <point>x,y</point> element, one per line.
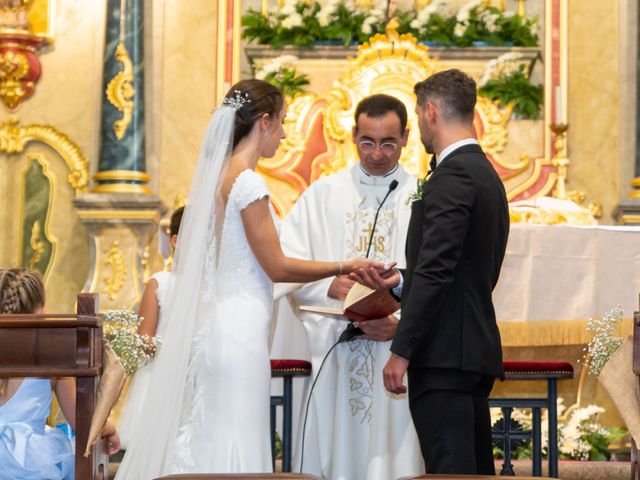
<point>21,291</point>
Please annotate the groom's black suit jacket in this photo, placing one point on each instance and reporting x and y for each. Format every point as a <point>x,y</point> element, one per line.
<point>455,246</point>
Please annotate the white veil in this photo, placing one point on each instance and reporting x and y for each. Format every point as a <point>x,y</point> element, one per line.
<point>152,449</point>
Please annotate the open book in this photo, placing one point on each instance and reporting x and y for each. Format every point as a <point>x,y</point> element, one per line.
<point>363,301</point>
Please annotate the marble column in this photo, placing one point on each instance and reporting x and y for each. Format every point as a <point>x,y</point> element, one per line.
<point>120,215</point>
<point>122,166</point>
<point>628,210</point>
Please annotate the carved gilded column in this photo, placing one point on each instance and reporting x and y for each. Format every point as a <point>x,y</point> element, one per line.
<point>122,167</point>
<point>120,214</point>
<point>120,228</point>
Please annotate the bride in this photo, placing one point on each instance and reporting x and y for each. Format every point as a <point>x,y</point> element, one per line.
<point>208,401</point>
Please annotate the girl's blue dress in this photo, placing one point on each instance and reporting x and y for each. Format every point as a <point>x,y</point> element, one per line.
<point>28,448</point>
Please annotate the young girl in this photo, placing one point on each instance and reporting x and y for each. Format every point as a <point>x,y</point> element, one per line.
<point>28,448</point>
<point>155,295</point>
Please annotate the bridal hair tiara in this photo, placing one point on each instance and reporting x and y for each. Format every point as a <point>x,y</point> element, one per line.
<point>237,100</point>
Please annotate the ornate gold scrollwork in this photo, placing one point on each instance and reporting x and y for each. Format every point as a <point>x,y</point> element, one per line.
<point>496,135</point>
<point>115,258</point>
<point>14,138</point>
<point>14,68</point>
<point>36,243</point>
<point>383,64</point>
<point>120,91</point>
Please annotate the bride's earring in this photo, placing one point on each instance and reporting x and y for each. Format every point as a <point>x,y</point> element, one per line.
<point>265,134</point>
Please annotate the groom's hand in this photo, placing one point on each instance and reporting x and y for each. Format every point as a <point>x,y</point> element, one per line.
<point>380,329</point>
<point>372,278</point>
<point>393,374</point>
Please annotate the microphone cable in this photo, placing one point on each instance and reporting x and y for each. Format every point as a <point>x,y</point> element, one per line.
<point>306,410</point>
<point>348,334</point>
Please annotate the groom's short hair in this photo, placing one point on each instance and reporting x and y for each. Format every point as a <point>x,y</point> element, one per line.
<point>452,90</point>
<point>379,105</point>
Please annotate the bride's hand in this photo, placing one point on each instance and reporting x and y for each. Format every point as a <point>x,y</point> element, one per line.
<point>366,263</point>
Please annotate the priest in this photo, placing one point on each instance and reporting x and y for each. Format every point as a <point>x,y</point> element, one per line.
<point>355,429</point>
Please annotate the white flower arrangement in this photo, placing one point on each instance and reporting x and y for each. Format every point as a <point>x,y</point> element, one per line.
<point>276,65</point>
<point>436,7</point>
<point>503,65</point>
<point>581,437</point>
<point>305,23</point>
<point>463,14</point>
<point>282,73</point>
<point>604,343</point>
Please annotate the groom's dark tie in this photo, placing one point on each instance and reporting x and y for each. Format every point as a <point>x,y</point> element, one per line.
<point>432,164</point>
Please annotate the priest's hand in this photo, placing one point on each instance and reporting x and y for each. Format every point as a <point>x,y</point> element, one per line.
<point>380,329</point>
<point>339,287</point>
<point>375,279</point>
<point>393,374</point>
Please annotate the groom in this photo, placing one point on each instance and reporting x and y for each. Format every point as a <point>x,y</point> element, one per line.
<point>447,339</point>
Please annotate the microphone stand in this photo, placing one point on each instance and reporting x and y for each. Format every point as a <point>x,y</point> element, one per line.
<point>351,332</point>
<point>348,334</point>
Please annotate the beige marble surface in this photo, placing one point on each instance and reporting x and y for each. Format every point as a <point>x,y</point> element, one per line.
<point>594,103</point>
<point>188,86</point>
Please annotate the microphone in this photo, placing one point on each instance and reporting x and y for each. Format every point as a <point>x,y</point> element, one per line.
<point>352,332</point>
<point>392,186</point>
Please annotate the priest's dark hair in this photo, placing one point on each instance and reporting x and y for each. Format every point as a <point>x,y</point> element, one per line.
<point>453,91</point>
<point>263,98</point>
<point>379,105</point>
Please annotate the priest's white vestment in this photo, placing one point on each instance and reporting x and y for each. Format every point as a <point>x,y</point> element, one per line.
<point>355,428</point>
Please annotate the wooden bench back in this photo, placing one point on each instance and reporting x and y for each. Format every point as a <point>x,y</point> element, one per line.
<point>61,346</point>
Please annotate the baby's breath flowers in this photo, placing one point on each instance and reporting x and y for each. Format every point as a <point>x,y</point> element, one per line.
<point>603,344</point>
<point>120,331</point>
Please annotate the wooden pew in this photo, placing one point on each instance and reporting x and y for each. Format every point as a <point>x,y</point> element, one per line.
<point>635,469</point>
<point>61,346</point>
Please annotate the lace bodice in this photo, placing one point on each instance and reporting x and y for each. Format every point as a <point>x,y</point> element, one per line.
<point>238,269</point>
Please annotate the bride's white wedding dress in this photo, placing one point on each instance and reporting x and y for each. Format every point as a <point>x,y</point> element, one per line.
<point>207,408</point>
<point>228,429</point>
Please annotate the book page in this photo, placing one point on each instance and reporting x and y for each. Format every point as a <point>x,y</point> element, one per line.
<point>357,292</point>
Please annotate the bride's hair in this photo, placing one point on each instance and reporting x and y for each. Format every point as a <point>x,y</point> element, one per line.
<point>261,96</point>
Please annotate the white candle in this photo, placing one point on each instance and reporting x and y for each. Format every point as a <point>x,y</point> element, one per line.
<point>558,101</point>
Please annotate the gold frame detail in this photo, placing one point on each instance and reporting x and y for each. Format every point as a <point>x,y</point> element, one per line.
<point>44,162</point>
<point>120,91</point>
<point>115,258</point>
<point>14,138</point>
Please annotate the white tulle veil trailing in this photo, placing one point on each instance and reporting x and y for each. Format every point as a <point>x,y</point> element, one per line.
<point>153,449</point>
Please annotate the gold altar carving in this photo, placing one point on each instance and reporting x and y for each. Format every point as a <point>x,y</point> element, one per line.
<point>14,84</point>
<point>36,243</point>
<point>115,258</point>
<point>20,68</point>
<point>120,91</point>
<point>14,138</point>
<point>318,127</point>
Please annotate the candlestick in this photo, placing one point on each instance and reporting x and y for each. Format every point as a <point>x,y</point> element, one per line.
<point>558,104</point>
